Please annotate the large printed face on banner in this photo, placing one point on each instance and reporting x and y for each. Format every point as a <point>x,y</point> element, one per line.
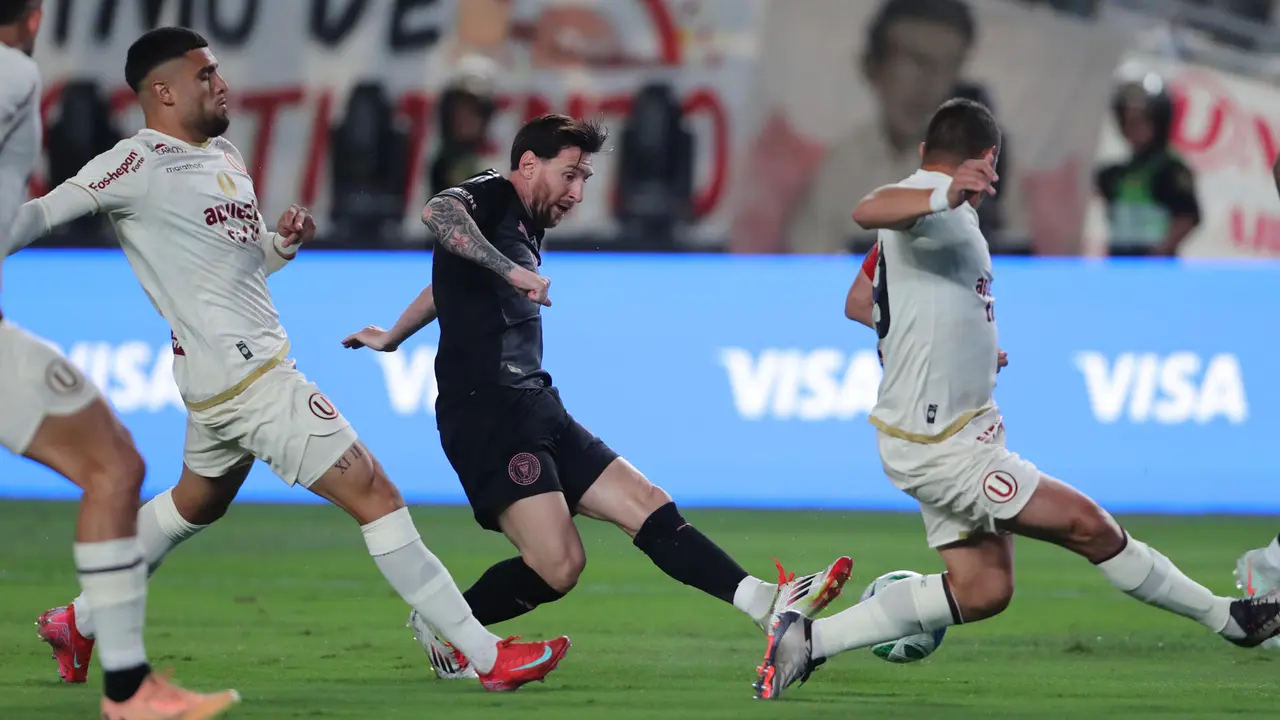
<point>846,90</point>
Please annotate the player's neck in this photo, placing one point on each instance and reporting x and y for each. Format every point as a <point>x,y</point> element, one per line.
<point>175,131</point>
<point>944,168</point>
<point>9,36</point>
<point>523,191</point>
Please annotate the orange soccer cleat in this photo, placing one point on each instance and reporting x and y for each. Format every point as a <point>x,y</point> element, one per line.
<point>71,649</point>
<point>160,699</point>
<point>519,663</point>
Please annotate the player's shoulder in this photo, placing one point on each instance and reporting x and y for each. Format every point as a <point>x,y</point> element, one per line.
<point>222,144</point>
<point>925,179</point>
<point>482,192</point>
<point>21,78</point>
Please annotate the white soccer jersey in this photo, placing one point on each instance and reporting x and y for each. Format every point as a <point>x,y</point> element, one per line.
<point>188,221</point>
<point>19,132</point>
<point>935,318</point>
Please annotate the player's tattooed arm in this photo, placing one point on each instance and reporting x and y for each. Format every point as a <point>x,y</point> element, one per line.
<point>455,231</point>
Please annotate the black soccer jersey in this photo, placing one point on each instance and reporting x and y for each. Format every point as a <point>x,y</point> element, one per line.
<point>490,332</point>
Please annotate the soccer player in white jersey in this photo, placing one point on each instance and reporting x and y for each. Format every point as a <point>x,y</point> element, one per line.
<point>941,436</point>
<point>52,414</point>
<point>184,210</point>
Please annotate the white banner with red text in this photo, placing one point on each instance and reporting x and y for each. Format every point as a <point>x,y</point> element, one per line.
<point>292,64</point>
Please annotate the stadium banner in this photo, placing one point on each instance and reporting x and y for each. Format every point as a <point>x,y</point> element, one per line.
<point>1227,128</point>
<point>846,90</point>
<point>292,65</point>
<point>736,380</point>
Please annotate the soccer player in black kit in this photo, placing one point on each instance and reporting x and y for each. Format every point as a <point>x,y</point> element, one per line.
<point>526,465</point>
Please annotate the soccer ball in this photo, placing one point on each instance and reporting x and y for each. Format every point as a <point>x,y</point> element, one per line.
<point>912,647</point>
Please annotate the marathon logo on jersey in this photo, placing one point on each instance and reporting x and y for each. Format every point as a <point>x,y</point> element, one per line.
<point>185,167</point>
<point>162,149</point>
<point>1169,389</point>
<point>802,385</point>
<point>132,163</point>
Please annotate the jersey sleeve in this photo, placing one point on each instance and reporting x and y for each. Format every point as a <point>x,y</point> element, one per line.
<point>1174,187</point>
<point>481,195</point>
<point>869,262</point>
<point>116,179</point>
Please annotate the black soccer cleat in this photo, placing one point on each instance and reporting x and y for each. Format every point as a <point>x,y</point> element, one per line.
<point>1257,617</point>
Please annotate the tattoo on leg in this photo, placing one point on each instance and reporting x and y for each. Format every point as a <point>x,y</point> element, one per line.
<point>349,458</point>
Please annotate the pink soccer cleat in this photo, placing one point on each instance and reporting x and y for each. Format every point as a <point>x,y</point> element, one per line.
<point>71,649</point>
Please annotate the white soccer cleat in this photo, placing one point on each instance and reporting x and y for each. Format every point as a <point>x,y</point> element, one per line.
<point>808,595</point>
<point>1255,575</point>
<point>447,661</point>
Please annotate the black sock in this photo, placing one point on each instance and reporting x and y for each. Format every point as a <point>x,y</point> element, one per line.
<point>508,590</point>
<point>123,684</point>
<point>679,550</point>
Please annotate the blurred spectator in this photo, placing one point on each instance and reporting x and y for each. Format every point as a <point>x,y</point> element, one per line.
<point>466,109</point>
<point>655,172</point>
<point>1151,197</point>
<point>81,128</point>
<point>369,168</point>
<point>915,52</point>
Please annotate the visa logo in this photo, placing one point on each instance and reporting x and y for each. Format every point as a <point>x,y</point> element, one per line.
<point>805,385</point>
<point>410,379</point>
<point>134,376</point>
<point>1164,389</point>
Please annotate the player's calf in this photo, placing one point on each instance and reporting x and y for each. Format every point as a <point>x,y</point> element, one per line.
<point>626,498</point>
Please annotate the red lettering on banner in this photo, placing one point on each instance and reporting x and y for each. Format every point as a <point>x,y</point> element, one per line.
<point>267,104</point>
<point>703,105</point>
<point>1213,130</point>
<point>1264,236</point>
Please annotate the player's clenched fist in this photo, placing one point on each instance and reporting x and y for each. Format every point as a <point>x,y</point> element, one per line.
<point>296,226</point>
<point>531,283</point>
<point>972,179</point>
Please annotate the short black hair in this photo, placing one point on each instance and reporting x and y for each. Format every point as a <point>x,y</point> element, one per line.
<point>961,129</point>
<point>953,14</point>
<point>11,11</point>
<point>157,47</point>
<point>546,136</point>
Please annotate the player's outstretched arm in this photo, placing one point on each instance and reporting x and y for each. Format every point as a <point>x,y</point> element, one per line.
<point>37,218</point>
<point>420,313</point>
<point>896,207</point>
<point>455,231</point>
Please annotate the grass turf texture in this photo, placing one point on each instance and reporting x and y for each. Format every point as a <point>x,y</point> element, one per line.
<point>284,604</point>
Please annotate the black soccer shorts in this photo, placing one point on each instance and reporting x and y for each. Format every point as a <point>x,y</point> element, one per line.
<point>508,444</point>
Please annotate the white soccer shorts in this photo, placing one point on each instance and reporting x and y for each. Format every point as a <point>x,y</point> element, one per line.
<point>35,382</point>
<point>964,484</point>
<point>281,419</point>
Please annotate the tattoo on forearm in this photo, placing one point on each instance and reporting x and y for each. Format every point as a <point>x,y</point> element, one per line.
<point>456,232</point>
<point>348,460</point>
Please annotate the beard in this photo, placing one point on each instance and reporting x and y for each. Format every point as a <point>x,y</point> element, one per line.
<point>214,125</point>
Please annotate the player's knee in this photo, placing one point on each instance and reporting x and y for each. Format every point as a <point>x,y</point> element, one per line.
<point>562,570</point>
<point>1093,533</point>
<point>113,471</point>
<point>982,595</point>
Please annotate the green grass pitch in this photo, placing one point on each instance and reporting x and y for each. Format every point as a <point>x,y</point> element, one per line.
<point>284,604</point>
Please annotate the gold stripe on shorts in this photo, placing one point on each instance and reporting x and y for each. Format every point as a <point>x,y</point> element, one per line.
<point>956,426</point>
<point>244,384</point>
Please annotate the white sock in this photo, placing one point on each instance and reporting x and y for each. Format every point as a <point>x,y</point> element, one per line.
<point>755,597</point>
<point>114,580</point>
<point>1143,573</point>
<point>906,607</point>
<point>1272,552</point>
<point>426,585</point>
<point>161,528</point>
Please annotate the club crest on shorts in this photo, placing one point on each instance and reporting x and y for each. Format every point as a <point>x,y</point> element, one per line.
<point>1000,486</point>
<point>62,378</point>
<point>321,407</point>
<point>524,469</point>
